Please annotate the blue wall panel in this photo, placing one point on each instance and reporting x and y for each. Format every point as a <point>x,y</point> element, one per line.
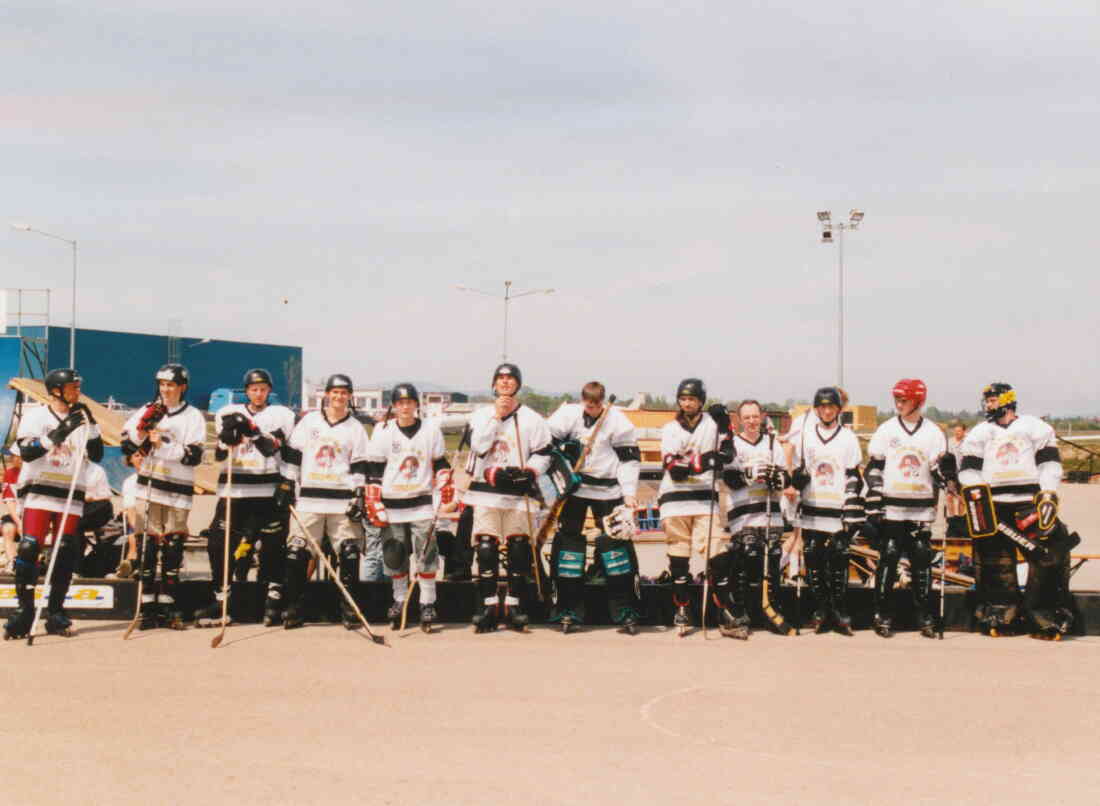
<point>122,365</point>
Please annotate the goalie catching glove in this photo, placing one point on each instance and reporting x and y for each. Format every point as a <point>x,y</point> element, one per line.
<point>620,523</point>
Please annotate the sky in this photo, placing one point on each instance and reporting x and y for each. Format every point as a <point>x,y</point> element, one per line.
<point>325,174</point>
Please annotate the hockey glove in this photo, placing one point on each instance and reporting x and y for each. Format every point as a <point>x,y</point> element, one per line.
<point>375,509</point>
<point>509,477</point>
<point>444,482</point>
<point>229,433</point>
<point>774,477</point>
<point>268,446</point>
<point>284,495</point>
<point>152,415</point>
<point>355,510</point>
<point>678,468</point>
<point>721,417</point>
<point>66,427</point>
<point>800,479</point>
<point>734,478</point>
<point>88,417</point>
<point>945,473</point>
<point>620,523</point>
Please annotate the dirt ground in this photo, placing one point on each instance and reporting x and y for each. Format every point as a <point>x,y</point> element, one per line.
<point>321,715</point>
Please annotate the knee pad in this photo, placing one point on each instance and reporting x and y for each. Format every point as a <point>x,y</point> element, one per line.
<point>26,560</point>
<point>680,568</point>
<point>519,555</point>
<point>488,557</point>
<point>616,561</point>
<point>395,555</point>
<point>172,554</point>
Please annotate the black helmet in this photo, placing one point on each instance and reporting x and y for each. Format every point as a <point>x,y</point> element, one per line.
<point>404,391</point>
<point>257,376</point>
<point>827,395</point>
<point>1006,400</point>
<point>176,373</point>
<point>692,387</point>
<point>57,378</point>
<point>338,381</point>
<point>508,369</point>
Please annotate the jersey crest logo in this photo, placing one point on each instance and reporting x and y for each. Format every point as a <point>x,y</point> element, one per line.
<point>409,467</point>
<point>500,452</point>
<point>909,466</point>
<point>1008,454</point>
<point>325,457</point>
<point>824,474</point>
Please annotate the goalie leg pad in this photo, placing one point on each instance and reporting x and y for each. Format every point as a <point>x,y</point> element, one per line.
<point>981,515</point>
<point>622,600</point>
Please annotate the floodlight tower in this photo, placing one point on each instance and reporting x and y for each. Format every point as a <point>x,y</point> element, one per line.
<point>508,297</point>
<point>855,218</point>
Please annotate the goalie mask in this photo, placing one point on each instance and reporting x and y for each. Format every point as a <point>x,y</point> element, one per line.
<point>1004,397</point>
<point>620,523</point>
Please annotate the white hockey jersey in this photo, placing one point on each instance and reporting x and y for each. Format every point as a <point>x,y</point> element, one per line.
<point>611,468</point>
<point>255,475</point>
<point>328,460</point>
<point>1016,461</point>
<point>832,459</point>
<point>899,466</point>
<point>48,469</point>
<point>694,495</point>
<point>493,443</point>
<point>171,465</point>
<point>749,500</point>
<point>405,461</point>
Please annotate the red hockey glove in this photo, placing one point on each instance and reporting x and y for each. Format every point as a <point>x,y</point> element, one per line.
<point>152,415</point>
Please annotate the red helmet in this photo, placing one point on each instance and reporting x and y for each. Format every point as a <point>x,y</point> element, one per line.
<point>911,389</point>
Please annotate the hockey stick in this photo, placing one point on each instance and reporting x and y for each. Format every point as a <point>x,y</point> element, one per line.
<point>59,534</point>
<point>378,639</point>
<point>710,530</point>
<point>141,552</point>
<point>431,530</point>
<point>555,511</point>
<point>215,642</point>
<point>765,599</point>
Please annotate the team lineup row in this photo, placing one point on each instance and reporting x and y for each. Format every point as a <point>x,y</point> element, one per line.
<point>287,485</point>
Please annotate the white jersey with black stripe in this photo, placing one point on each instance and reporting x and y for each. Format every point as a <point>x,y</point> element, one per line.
<point>328,460</point>
<point>406,460</point>
<point>901,457</point>
<point>831,457</point>
<point>44,481</point>
<point>1016,461</point>
<point>694,495</point>
<point>171,464</point>
<point>613,462</point>
<point>255,475</point>
<point>522,439</point>
<point>749,503</point>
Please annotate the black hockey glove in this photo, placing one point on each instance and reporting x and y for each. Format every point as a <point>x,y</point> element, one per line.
<point>284,495</point>
<point>945,473</point>
<point>88,416</point>
<point>774,477</point>
<point>64,428</point>
<point>228,435</point>
<point>734,478</point>
<point>678,467</point>
<point>510,478</point>
<point>721,417</point>
<point>267,446</point>
<point>800,479</point>
<point>355,509</point>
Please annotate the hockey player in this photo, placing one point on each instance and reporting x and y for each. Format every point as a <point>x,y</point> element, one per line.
<point>326,457</point>
<point>690,450</point>
<point>1017,456</point>
<point>754,522</point>
<point>908,461</point>
<point>253,434</point>
<point>170,435</point>
<point>406,463</point>
<point>609,483</point>
<point>49,441</point>
<point>509,447</point>
<point>828,480</point>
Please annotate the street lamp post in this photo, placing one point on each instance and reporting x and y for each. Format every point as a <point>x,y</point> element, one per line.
<point>508,297</point>
<point>824,217</point>
<point>72,324</point>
